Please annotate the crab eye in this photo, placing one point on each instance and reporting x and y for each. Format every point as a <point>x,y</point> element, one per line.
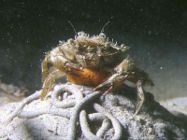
<point>82,34</point>
<point>102,35</point>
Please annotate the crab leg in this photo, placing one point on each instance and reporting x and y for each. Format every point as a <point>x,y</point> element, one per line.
<point>141,97</point>
<point>59,62</point>
<point>114,80</point>
<point>44,67</point>
<point>108,82</point>
<point>108,90</point>
<point>49,82</point>
<point>61,66</point>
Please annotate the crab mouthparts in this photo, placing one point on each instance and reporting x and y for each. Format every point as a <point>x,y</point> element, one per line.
<point>77,68</point>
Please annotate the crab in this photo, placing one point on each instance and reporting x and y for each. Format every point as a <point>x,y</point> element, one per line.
<point>93,61</point>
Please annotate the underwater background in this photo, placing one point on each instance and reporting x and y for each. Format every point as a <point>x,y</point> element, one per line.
<point>156,31</point>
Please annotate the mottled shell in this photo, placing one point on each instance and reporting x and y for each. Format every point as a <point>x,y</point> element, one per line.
<point>93,52</point>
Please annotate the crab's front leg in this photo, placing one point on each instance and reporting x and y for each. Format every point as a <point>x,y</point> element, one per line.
<point>136,76</point>
<point>115,80</point>
<point>120,75</point>
<point>124,71</point>
<point>49,82</point>
<point>57,61</point>
<point>60,66</point>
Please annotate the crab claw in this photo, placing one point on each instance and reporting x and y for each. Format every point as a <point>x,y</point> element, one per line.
<point>114,80</point>
<point>108,90</point>
<point>106,83</point>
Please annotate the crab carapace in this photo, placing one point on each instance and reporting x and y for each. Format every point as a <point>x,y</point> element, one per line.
<point>93,61</point>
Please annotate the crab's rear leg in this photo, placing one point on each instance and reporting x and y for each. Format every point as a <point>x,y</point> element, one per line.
<point>141,97</point>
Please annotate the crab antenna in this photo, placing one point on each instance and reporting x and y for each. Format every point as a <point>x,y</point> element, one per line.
<point>103,28</point>
<point>71,24</point>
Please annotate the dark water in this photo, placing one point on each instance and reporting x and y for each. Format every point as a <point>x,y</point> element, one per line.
<point>156,31</point>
